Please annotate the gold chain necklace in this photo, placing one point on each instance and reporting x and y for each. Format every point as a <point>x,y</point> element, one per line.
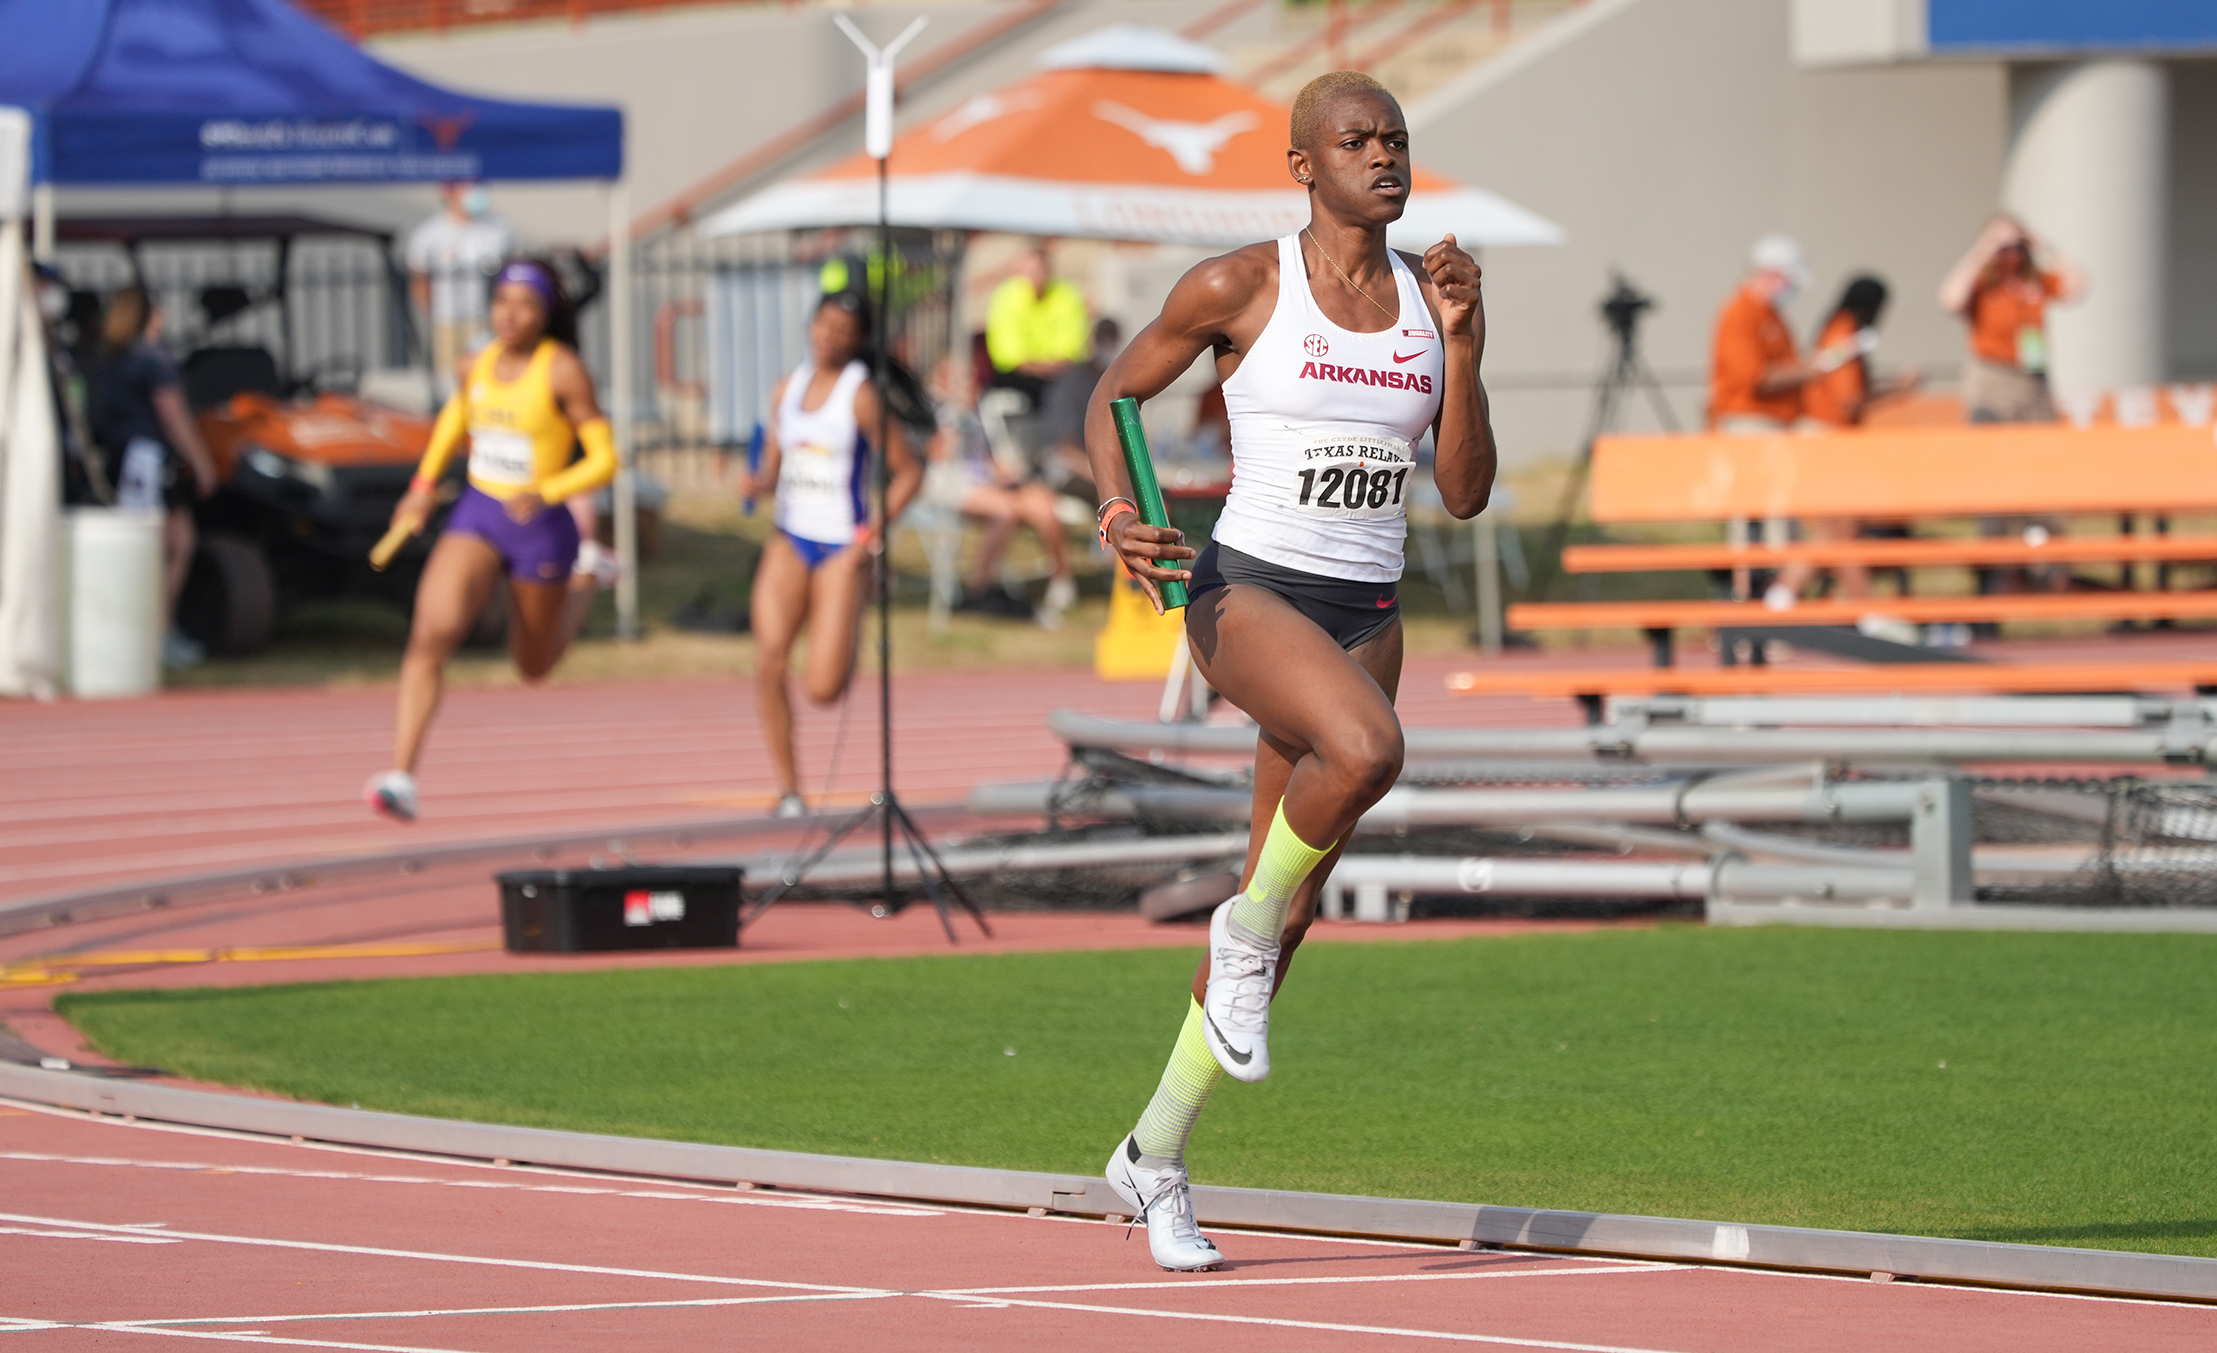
<point>1389,314</point>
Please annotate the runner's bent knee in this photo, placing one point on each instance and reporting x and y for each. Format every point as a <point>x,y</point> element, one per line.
<point>1366,760</point>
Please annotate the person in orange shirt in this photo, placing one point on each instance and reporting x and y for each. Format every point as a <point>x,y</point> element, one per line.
<point>2002,292</point>
<point>1835,398</point>
<point>1755,374</point>
<point>1841,391</point>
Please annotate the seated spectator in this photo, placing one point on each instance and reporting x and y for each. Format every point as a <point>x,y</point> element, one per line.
<point>961,475</point>
<point>1035,328</point>
<point>1066,469</point>
<point>2002,292</point>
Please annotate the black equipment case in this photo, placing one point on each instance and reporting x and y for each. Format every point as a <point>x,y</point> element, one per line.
<point>567,911</point>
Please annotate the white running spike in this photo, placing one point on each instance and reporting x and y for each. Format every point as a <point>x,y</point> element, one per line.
<point>392,793</point>
<point>1235,1010</point>
<point>1164,1199</point>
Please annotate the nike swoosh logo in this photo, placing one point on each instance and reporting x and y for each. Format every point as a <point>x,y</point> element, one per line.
<point>1398,358</point>
<point>1243,1058</point>
<point>1384,603</point>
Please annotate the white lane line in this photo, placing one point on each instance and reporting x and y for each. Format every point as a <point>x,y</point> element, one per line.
<point>726,1196</point>
<point>562,1172</point>
<point>183,1321</point>
<point>1909,1282</point>
<point>437,1257</point>
<point>1216,1284</point>
<point>87,1235</point>
<point>259,1338</point>
<point>1276,1322</point>
<point>890,1205</point>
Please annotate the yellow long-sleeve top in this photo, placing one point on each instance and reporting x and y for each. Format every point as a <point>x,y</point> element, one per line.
<point>519,437</point>
<point>1023,326</point>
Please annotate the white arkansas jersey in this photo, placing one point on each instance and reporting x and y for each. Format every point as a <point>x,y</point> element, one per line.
<point>821,459</point>
<point>1325,424</point>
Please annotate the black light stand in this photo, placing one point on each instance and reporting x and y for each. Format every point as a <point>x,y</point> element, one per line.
<point>884,806</point>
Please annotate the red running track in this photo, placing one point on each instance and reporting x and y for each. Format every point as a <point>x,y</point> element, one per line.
<point>96,793</point>
<point>114,1234</point>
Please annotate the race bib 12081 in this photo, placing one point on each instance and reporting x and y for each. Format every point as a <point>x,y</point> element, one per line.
<point>1353,477</point>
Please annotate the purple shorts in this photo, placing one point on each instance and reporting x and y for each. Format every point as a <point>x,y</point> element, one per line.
<point>537,551</point>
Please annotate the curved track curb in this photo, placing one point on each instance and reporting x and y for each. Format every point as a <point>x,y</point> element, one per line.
<point>2050,1268</point>
<point>261,880</point>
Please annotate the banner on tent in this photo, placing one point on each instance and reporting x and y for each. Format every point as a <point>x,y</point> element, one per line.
<point>299,150</point>
<point>139,149</point>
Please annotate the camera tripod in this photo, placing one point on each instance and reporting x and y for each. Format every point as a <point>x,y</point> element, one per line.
<point>1627,371</point>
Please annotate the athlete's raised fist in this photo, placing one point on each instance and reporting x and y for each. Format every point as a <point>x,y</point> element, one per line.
<point>1456,277</point>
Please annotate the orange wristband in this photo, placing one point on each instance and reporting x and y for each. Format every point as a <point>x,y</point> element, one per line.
<point>419,482</point>
<point>1115,510</point>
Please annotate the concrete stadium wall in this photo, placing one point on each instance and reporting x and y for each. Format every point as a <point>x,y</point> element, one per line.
<point>702,87</point>
<point>1665,136</point>
<point>2192,315</point>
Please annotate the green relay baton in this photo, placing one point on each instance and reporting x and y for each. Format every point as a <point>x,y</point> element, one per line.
<point>1141,466</point>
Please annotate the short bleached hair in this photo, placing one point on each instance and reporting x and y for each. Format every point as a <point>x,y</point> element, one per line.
<point>1317,95</point>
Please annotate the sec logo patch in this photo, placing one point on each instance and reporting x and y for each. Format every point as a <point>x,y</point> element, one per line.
<point>1315,346</point>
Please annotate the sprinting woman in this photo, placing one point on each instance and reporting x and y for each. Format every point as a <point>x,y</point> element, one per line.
<point>527,404</point>
<point>1337,356</point>
<point>816,458</point>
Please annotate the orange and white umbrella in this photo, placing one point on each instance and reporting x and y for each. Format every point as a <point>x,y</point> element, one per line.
<point>1130,134</point>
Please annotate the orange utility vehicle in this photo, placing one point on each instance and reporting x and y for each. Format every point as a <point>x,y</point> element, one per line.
<point>277,319</point>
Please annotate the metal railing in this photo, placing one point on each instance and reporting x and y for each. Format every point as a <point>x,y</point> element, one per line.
<point>339,314</point>
<point>721,320</point>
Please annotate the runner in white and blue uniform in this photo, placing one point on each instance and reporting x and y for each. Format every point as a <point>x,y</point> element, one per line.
<point>1337,355</point>
<point>816,459</point>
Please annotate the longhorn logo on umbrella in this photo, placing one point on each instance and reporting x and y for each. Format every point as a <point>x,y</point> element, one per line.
<point>1192,144</point>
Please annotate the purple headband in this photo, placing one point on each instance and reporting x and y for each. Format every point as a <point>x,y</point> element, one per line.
<point>527,273</point>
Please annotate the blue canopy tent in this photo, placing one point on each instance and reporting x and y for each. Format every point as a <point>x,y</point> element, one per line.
<point>140,92</point>
<point>253,93</point>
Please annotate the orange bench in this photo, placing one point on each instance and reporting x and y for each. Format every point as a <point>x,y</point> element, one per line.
<point>1971,471</point>
<point>1997,609</point>
<point>1590,685</point>
<point>1929,552</point>
<point>1893,474</point>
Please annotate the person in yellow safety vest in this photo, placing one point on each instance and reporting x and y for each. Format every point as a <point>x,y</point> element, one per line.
<point>1035,328</point>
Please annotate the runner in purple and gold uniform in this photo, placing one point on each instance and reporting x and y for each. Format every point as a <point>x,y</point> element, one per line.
<point>528,403</point>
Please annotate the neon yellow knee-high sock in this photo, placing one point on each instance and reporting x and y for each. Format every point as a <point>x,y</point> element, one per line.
<point>1186,1084</point>
<point>1285,864</point>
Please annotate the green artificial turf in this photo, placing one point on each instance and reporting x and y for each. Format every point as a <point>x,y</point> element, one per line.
<point>2047,1088</point>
